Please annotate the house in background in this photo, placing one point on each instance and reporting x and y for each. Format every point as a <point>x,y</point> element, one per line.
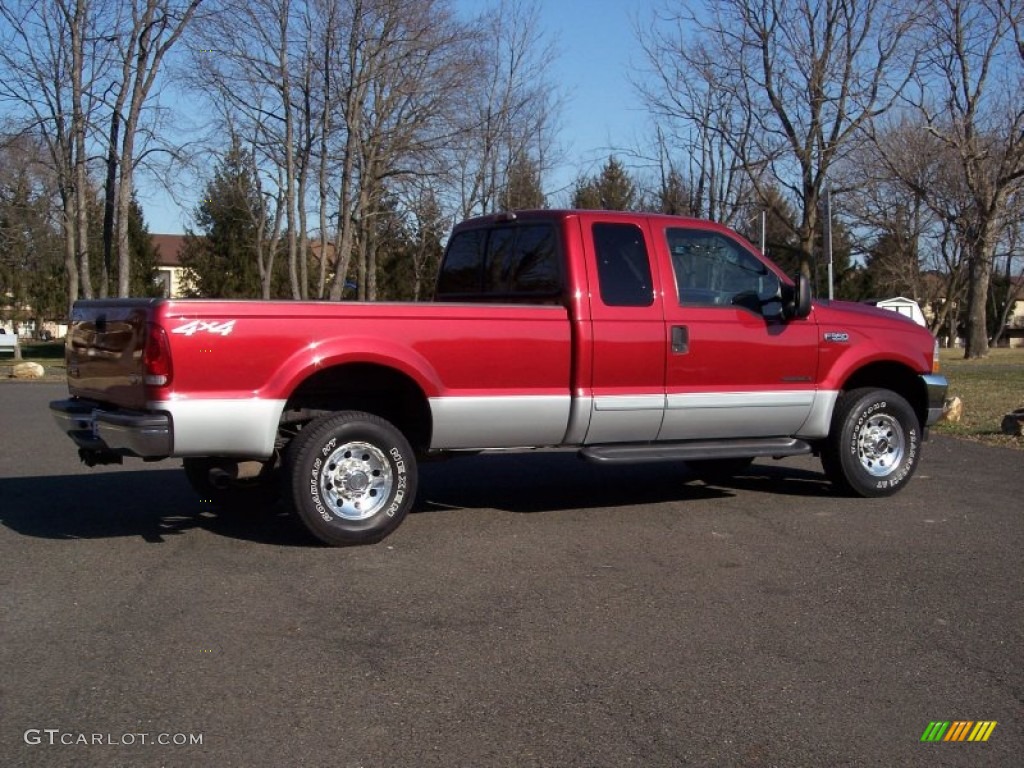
<point>170,272</point>
<point>1013,332</point>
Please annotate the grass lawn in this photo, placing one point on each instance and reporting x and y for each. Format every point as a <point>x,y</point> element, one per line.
<point>990,388</point>
<point>49,354</point>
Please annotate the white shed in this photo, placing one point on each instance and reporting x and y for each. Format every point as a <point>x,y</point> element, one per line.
<point>906,307</point>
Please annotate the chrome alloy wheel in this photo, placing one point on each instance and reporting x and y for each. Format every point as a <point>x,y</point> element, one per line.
<point>880,444</point>
<point>356,481</point>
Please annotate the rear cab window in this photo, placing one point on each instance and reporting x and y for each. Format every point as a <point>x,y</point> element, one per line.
<point>623,266</point>
<point>517,263</point>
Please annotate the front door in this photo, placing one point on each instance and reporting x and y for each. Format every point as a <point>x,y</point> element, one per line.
<point>734,366</point>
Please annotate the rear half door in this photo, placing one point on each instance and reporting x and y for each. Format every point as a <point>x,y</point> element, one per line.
<point>734,367</point>
<point>628,363</point>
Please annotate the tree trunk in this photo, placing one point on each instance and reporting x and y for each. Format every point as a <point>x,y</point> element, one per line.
<point>124,201</point>
<point>977,298</point>
<point>70,261</point>
<point>78,127</point>
<point>110,204</point>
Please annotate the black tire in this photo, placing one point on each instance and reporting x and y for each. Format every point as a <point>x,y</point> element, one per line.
<point>874,445</point>
<point>718,470</point>
<point>254,494</point>
<point>351,477</point>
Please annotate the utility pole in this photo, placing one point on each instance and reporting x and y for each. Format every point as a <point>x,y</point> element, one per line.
<point>828,236</point>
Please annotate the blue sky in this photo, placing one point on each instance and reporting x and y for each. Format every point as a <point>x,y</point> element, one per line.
<point>595,45</point>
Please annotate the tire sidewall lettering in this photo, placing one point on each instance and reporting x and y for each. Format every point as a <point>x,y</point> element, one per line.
<point>401,481</point>
<point>398,465</point>
<point>314,490</point>
<point>907,464</point>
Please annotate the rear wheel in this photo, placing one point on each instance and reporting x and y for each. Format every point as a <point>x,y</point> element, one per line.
<point>874,444</point>
<point>351,477</point>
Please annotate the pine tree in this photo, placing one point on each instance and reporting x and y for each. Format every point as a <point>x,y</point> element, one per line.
<point>144,272</point>
<point>409,249</point>
<point>613,189</point>
<point>31,262</point>
<point>673,197</point>
<point>221,259</point>
<point>523,189</point>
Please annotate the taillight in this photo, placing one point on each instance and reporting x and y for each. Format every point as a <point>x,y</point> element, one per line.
<point>935,357</point>
<point>156,358</point>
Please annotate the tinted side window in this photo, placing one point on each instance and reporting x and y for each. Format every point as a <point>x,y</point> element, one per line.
<point>513,263</point>
<point>713,271</point>
<point>531,267</point>
<point>623,267</point>
<point>462,271</point>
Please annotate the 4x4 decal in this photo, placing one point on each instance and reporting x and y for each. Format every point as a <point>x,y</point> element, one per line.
<point>202,326</point>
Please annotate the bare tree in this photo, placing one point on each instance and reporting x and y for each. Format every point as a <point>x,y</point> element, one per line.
<point>257,60</point>
<point>903,227</point>
<point>798,80</point>
<point>51,62</point>
<point>155,27</point>
<point>970,97</point>
<point>354,107</point>
<point>697,126</point>
<point>510,106</point>
<point>400,62</point>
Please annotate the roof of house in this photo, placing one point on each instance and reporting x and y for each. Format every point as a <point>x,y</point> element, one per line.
<point>169,248</point>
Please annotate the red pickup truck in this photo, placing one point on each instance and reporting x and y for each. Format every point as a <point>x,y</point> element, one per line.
<point>629,337</point>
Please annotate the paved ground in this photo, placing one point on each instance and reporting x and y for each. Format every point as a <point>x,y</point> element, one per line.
<point>535,612</point>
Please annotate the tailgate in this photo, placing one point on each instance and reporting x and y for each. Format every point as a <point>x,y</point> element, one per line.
<point>104,350</point>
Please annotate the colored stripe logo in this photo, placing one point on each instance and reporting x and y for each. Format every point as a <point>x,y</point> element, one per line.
<point>958,730</point>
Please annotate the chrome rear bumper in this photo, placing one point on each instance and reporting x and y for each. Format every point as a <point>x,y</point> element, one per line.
<point>124,433</point>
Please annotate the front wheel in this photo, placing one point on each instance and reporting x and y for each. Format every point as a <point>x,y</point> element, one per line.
<point>874,445</point>
<point>351,477</point>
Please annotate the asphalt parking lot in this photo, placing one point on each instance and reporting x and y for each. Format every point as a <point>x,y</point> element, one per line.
<point>535,611</point>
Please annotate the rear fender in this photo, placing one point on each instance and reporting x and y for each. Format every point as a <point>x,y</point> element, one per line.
<point>320,356</point>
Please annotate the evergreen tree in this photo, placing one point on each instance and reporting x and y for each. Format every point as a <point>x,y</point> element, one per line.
<point>523,189</point>
<point>409,250</point>
<point>144,272</point>
<point>220,259</point>
<point>613,189</point>
<point>673,197</point>
<point>31,259</point>
<point>140,243</point>
<point>585,194</point>
<point>781,242</point>
<point>891,265</point>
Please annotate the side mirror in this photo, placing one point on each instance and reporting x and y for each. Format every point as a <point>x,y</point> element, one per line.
<point>796,299</point>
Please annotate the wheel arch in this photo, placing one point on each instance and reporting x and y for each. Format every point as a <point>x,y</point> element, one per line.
<point>899,378</point>
<point>375,388</point>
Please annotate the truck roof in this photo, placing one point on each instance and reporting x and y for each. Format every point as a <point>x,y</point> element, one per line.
<point>565,213</point>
